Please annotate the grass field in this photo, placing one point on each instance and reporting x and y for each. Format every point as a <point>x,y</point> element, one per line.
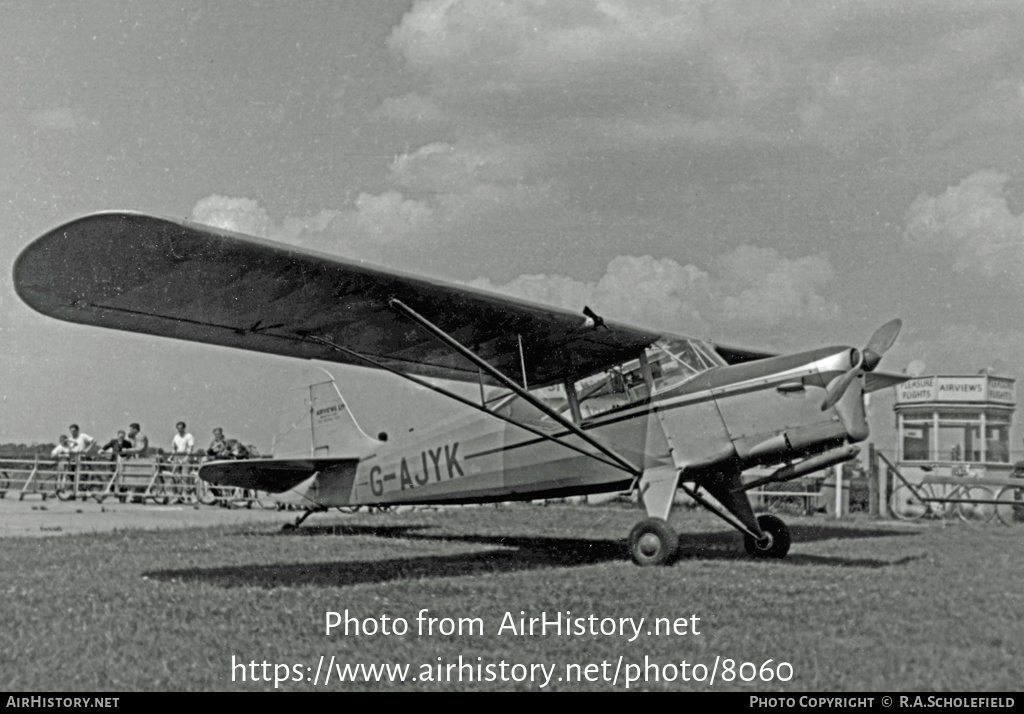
<point>857,606</point>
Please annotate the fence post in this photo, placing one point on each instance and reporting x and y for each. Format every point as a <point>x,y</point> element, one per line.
<point>839,491</point>
<point>872,481</point>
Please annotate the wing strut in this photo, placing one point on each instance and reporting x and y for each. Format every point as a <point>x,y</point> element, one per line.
<point>510,384</point>
<point>462,400</point>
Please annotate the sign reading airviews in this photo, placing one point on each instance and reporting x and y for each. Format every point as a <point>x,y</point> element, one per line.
<point>981,388</point>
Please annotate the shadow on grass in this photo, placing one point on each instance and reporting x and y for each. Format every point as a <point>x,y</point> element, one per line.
<point>506,554</point>
<point>509,555</point>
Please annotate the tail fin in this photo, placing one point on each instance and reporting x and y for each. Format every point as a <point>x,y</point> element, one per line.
<point>335,431</point>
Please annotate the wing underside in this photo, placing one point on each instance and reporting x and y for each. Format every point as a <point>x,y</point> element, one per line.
<point>139,273</point>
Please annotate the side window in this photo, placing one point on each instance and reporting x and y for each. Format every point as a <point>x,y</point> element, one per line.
<point>601,393</point>
<point>510,406</point>
<point>673,361</point>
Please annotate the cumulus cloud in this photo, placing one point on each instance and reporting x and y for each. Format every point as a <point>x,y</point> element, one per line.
<point>443,168</point>
<point>768,72</point>
<point>750,288</point>
<point>362,231</point>
<point>636,290</point>
<point>410,107</point>
<point>972,222</point>
<point>757,286</point>
<point>241,215</point>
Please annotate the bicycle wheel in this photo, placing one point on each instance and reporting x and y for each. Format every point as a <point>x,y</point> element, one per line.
<point>906,504</point>
<point>205,494</point>
<point>975,512</point>
<point>65,486</point>
<point>176,488</point>
<point>158,491</point>
<point>1010,509</point>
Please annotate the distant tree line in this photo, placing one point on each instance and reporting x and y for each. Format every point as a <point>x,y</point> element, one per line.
<point>25,451</point>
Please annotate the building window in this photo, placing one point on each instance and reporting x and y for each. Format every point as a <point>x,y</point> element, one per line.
<point>917,439</point>
<point>997,444</point>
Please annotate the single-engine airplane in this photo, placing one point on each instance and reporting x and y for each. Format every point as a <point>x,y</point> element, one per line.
<point>582,405</point>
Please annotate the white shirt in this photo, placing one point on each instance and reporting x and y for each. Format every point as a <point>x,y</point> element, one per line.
<point>81,443</point>
<point>183,444</point>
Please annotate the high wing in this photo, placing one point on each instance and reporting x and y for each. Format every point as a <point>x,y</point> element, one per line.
<point>140,273</point>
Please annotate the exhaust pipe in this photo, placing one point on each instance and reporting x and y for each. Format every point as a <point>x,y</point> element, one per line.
<point>814,463</point>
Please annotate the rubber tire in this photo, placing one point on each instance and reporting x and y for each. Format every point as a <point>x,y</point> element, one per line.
<point>158,491</point>
<point>976,512</point>
<point>205,494</point>
<point>778,547</point>
<point>1011,514</point>
<point>65,488</point>
<point>904,505</point>
<point>652,542</point>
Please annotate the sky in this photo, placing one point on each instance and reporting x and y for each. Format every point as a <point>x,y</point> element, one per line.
<point>775,175</point>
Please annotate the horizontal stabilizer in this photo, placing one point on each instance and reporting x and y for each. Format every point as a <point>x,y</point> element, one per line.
<point>270,475</point>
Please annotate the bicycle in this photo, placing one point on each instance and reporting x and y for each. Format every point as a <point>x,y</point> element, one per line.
<point>1010,510</point>
<point>911,502</point>
<point>179,479</point>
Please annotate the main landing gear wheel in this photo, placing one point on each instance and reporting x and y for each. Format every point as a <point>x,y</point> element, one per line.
<point>652,542</point>
<point>777,540</point>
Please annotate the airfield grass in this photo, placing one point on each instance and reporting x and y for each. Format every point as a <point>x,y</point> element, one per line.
<point>858,605</point>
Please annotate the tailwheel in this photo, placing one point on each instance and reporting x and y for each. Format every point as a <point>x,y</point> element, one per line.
<point>652,542</point>
<point>776,542</point>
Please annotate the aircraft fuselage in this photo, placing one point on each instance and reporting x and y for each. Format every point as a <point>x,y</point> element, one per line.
<point>758,413</point>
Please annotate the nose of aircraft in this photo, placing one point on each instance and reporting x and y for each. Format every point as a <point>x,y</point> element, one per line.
<point>868,360</point>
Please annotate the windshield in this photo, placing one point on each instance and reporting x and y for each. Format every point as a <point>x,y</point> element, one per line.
<point>674,361</point>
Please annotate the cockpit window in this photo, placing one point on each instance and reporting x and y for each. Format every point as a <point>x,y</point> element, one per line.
<point>672,362</point>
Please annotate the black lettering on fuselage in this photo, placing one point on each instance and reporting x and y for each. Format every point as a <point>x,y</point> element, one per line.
<point>451,460</point>
<point>406,479</point>
<point>426,473</point>
<point>409,479</point>
<point>376,486</point>
<point>436,458</point>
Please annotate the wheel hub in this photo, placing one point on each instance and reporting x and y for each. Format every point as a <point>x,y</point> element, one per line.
<point>649,545</point>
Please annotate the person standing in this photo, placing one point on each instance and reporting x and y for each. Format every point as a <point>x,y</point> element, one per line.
<point>183,442</point>
<point>219,446</point>
<point>140,442</point>
<point>80,442</point>
<point>116,445</point>
<point>63,448</point>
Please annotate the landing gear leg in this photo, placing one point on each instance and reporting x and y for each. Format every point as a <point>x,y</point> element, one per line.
<point>652,541</point>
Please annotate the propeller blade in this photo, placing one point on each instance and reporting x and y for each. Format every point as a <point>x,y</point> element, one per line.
<point>838,387</point>
<point>883,338</point>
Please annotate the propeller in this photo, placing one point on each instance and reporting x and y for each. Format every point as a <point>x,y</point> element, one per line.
<point>866,360</point>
